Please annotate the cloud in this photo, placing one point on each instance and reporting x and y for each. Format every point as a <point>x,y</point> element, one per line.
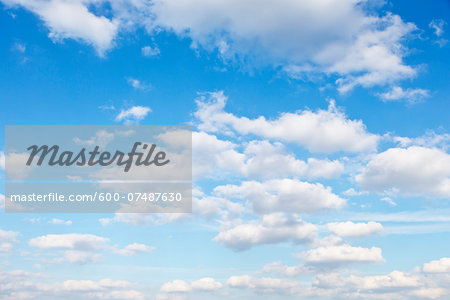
<point>181,286</point>
<point>351,192</point>
<point>395,280</point>
<point>350,229</point>
<point>73,20</point>
<point>133,249</point>
<point>389,201</point>
<point>277,267</point>
<point>19,284</point>
<point>437,26</point>
<point>346,39</point>
<point>264,285</point>
<point>138,85</point>
<point>134,114</point>
<point>333,256</point>
<point>206,284</point>
<point>74,241</point>
<point>270,229</point>
<point>217,158</point>
<point>411,95</point>
<point>437,266</point>
<point>283,195</point>
<point>324,131</point>
<point>397,169</point>
<point>19,47</point>
<point>176,286</point>
<point>78,248</point>
<point>430,139</point>
<point>60,222</point>
<point>148,51</point>
<point>7,239</point>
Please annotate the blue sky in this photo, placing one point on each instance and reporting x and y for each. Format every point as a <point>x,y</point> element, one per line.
<point>320,146</point>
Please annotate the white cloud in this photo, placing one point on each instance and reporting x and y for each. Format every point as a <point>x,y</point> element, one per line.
<point>398,93</point>
<point>332,256</point>
<point>176,286</point>
<point>282,270</point>
<point>24,285</point>
<point>7,239</point>
<point>389,201</point>
<point>73,241</point>
<point>206,284</point>
<point>350,229</point>
<point>343,38</point>
<point>437,266</point>
<point>324,131</point>
<point>150,51</point>
<point>351,192</point>
<point>415,170</point>
<point>283,195</point>
<point>133,249</point>
<point>60,222</point>
<point>105,221</point>
<point>180,287</point>
<point>213,157</point>
<point>134,114</point>
<point>346,39</point>
<point>73,20</point>
<point>429,139</point>
<point>437,26</point>
<point>392,281</point>
<point>19,47</point>
<point>138,85</point>
<point>264,284</point>
<point>270,229</point>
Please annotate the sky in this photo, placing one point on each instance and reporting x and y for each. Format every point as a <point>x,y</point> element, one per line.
<point>321,163</point>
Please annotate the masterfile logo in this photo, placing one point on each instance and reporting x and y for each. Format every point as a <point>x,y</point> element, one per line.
<point>98,168</point>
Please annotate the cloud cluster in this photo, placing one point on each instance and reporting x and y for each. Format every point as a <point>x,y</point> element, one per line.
<point>324,131</point>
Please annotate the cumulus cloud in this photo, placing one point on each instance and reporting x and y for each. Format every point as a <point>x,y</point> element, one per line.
<point>333,256</point>
<point>19,284</point>
<point>270,229</point>
<point>181,286</point>
<point>343,38</point>
<point>418,171</point>
<point>350,229</point>
<point>264,284</point>
<point>411,95</point>
<point>73,241</point>
<point>394,281</point>
<point>289,271</point>
<point>73,20</point>
<point>283,195</point>
<point>133,114</point>
<point>324,131</point>
<point>437,266</point>
<point>214,157</point>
